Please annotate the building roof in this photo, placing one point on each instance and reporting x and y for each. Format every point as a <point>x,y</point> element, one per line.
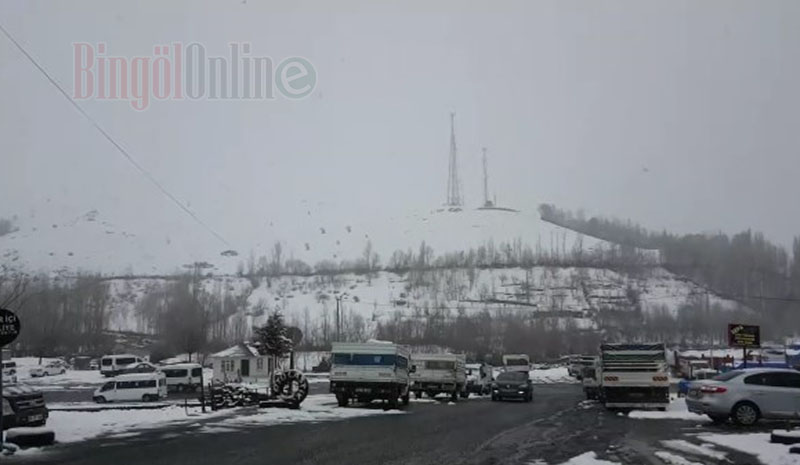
<point>241,350</point>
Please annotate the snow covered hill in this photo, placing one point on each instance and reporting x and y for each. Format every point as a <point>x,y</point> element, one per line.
<point>93,243</point>
<point>577,295</point>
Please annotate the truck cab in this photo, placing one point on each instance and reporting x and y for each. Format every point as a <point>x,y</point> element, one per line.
<point>439,373</point>
<point>368,371</point>
<point>590,377</point>
<point>516,362</point>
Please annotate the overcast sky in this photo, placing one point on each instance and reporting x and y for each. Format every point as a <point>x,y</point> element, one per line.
<point>678,115</point>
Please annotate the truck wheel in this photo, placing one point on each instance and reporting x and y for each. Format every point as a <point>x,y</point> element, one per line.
<point>391,403</point>
<point>418,394</point>
<point>148,398</point>
<point>406,398</point>
<point>431,394</point>
<point>341,400</point>
<point>464,394</point>
<point>100,400</point>
<point>454,396</point>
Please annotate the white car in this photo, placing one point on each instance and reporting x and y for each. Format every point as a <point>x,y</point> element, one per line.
<point>52,368</point>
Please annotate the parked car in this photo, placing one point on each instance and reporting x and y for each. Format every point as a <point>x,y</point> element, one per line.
<point>50,369</point>
<point>9,371</point>
<point>139,367</point>
<point>94,364</point>
<point>111,364</point>
<point>513,385</point>
<point>183,376</point>
<point>146,387</point>
<point>23,406</point>
<point>746,396</point>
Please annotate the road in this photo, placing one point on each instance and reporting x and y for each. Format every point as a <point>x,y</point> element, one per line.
<point>553,428</point>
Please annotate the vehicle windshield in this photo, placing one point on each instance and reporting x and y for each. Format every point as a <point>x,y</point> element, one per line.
<point>439,365</point>
<point>727,376</point>
<point>364,359</point>
<point>512,376</point>
<point>516,362</point>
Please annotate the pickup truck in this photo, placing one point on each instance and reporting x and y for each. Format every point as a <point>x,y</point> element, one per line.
<point>439,373</point>
<point>368,371</point>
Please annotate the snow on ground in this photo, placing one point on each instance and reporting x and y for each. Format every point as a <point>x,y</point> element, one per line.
<point>78,426</point>
<point>555,375</point>
<point>676,410</point>
<point>315,409</point>
<point>73,426</point>
<point>705,450</point>
<point>72,379</point>
<point>589,458</point>
<point>552,376</point>
<point>755,444</point>
<point>674,459</point>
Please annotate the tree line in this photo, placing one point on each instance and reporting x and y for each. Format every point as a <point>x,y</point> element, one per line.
<point>744,266</point>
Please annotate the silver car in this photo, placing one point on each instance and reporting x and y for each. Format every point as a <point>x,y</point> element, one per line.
<point>747,395</point>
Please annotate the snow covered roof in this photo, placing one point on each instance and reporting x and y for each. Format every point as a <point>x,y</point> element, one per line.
<point>241,350</point>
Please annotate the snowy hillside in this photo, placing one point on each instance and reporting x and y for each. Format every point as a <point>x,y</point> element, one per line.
<point>92,243</point>
<point>574,294</point>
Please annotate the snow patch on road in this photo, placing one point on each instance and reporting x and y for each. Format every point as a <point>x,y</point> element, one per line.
<point>589,458</point>
<point>755,444</point>
<point>674,459</point>
<point>315,409</point>
<point>705,450</point>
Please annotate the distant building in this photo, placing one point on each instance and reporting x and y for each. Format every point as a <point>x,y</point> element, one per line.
<point>243,363</point>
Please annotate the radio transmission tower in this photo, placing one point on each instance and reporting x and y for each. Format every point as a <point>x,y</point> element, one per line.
<point>453,184</point>
<point>486,202</point>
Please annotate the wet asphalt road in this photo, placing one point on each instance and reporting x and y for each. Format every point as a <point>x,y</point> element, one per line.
<point>553,428</point>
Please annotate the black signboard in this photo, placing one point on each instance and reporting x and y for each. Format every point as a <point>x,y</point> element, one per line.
<point>9,327</point>
<point>744,335</point>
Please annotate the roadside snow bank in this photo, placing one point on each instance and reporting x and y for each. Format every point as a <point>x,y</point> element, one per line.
<point>552,376</point>
<point>755,444</point>
<point>73,426</point>
<point>676,410</point>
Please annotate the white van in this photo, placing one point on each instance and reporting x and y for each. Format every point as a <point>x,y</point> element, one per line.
<point>146,387</point>
<point>183,376</point>
<point>110,365</point>
<point>9,371</point>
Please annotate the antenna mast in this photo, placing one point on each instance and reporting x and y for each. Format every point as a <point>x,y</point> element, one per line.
<point>453,184</point>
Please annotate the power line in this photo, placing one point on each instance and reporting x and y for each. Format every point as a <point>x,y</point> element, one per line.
<point>108,137</point>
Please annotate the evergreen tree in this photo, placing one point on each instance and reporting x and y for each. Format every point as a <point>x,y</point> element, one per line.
<point>273,336</point>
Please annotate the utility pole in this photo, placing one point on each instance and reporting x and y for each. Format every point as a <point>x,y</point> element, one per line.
<point>339,316</point>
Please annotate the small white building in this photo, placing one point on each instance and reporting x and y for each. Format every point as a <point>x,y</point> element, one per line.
<point>242,363</point>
